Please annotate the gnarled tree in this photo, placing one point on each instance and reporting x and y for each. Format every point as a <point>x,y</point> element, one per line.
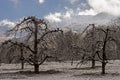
<point>32,33</point>
<point>103,45</point>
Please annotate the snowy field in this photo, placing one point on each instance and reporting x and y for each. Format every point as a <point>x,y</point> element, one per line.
<point>60,71</point>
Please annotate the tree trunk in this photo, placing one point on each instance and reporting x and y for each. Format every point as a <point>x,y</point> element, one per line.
<point>22,56</point>
<point>93,63</point>
<point>36,65</point>
<point>93,57</point>
<point>93,47</point>
<point>36,68</point>
<point>22,65</point>
<point>104,53</point>
<point>103,61</point>
<point>103,67</point>
<point>71,61</point>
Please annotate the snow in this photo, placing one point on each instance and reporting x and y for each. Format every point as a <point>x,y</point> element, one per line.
<point>60,71</point>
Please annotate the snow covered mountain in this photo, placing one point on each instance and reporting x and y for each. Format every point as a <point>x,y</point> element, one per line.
<point>76,23</point>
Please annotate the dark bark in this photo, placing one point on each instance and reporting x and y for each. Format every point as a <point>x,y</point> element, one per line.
<point>22,57</point>
<point>93,63</point>
<point>36,68</point>
<point>104,53</point>
<point>93,46</point>
<point>36,65</point>
<point>103,67</point>
<point>22,65</point>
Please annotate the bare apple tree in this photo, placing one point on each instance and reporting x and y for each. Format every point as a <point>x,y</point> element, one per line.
<point>32,33</point>
<point>104,45</point>
<point>97,43</point>
<point>88,44</point>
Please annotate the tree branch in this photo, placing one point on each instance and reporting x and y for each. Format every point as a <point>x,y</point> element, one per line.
<point>45,59</point>
<point>18,44</point>
<point>41,38</point>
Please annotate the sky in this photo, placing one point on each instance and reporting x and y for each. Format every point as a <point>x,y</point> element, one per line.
<point>55,11</point>
<point>15,9</point>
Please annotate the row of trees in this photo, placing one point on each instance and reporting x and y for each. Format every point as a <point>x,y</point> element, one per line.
<point>34,42</point>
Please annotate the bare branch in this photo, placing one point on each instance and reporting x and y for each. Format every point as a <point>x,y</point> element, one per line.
<point>18,44</point>
<point>52,31</point>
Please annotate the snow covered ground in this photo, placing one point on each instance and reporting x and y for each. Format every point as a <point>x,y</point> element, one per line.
<point>60,71</point>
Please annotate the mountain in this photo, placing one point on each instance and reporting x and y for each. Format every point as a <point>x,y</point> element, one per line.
<point>81,22</point>
<point>76,23</point>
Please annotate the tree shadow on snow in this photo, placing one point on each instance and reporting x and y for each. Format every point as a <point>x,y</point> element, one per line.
<point>40,72</point>
<point>97,74</point>
<point>85,68</point>
<point>11,75</point>
<point>25,74</point>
